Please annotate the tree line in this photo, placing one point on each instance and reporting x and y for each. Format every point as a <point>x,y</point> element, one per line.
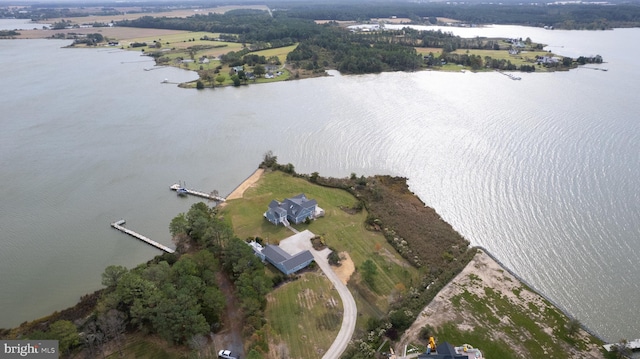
<point>583,16</point>
<point>176,296</point>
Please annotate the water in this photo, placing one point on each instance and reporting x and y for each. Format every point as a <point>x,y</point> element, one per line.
<point>543,172</point>
<point>20,24</point>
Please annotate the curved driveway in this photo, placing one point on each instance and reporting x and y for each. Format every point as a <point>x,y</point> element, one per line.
<point>350,311</point>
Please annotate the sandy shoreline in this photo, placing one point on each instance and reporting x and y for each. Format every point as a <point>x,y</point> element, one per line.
<point>238,192</point>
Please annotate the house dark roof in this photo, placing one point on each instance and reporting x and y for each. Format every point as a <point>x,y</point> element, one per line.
<point>302,201</point>
<point>298,259</point>
<point>277,255</point>
<point>295,209</point>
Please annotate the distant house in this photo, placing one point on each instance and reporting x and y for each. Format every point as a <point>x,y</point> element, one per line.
<point>204,60</point>
<point>284,261</point>
<point>293,210</point>
<point>237,69</point>
<point>547,60</point>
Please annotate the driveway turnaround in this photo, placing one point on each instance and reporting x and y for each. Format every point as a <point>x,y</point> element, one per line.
<point>301,242</point>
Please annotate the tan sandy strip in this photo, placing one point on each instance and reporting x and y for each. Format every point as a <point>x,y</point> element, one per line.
<point>238,192</point>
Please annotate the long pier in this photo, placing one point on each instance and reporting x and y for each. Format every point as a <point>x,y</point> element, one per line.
<point>511,76</point>
<point>632,344</point>
<point>177,186</point>
<point>118,225</point>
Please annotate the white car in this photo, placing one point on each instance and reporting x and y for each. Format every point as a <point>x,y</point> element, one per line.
<point>226,354</point>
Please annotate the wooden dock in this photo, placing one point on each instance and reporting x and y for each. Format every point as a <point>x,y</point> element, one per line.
<point>118,225</point>
<point>632,344</point>
<point>511,76</point>
<point>177,186</point>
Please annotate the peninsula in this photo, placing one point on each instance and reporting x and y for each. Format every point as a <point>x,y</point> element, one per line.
<point>409,274</point>
<point>253,44</point>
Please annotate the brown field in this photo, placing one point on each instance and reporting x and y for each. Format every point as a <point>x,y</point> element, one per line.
<point>397,20</point>
<point>119,33</point>
<point>426,50</point>
<point>446,19</point>
<point>176,13</point>
<point>344,23</point>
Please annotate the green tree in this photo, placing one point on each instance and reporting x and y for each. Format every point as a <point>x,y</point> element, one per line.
<point>179,225</point>
<point>220,79</point>
<point>333,257</point>
<point>259,70</point>
<point>65,333</point>
<point>112,275</point>
<point>199,85</point>
<point>236,80</point>
<point>269,160</point>
<point>213,302</point>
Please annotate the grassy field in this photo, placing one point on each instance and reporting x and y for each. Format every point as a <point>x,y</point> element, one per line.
<point>525,57</point>
<point>184,41</point>
<point>188,46</point>
<point>426,50</point>
<point>281,52</point>
<point>341,230</point>
<point>306,314</point>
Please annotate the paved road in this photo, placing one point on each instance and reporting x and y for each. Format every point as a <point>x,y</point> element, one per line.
<point>301,242</point>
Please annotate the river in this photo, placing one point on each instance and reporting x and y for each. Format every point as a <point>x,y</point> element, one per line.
<point>544,172</point>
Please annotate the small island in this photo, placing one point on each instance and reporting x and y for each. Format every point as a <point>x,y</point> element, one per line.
<point>228,286</point>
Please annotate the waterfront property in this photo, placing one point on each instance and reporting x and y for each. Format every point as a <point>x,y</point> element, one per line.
<point>295,210</point>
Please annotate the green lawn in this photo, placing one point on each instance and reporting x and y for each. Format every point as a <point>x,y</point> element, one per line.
<point>306,314</point>
<point>176,46</point>
<point>525,57</point>
<point>340,229</point>
<point>281,52</point>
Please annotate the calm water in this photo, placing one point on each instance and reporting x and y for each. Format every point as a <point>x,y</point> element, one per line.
<point>544,172</point>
